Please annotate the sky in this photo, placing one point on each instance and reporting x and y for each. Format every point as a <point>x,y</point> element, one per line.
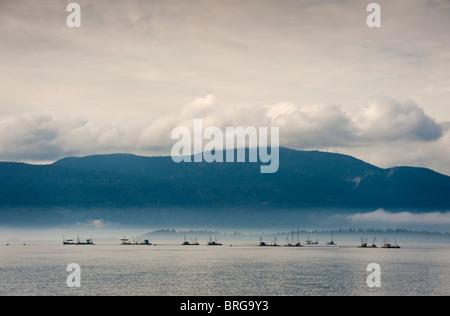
<point>137,69</point>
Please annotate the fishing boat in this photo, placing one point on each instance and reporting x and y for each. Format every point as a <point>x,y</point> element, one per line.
<point>331,242</point>
<point>386,244</point>
<point>78,242</point>
<point>125,241</point>
<point>68,241</point>
<point>264,244</point>
<point>390,246</point>
<point>364,244</point>
<point>86,242</point>
<point>187,243</point>
<point>309,242</point>
<point>135,241</point>
<point>374,242</point>
<point>213,243</point>
<point>291,244</point>
<point>274,243</point>
<point>261,243</point>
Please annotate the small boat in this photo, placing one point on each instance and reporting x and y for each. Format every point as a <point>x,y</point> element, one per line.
<point>386,244</point>
<point>68,241</point>
<point>263,244</point>
<point>187,243</point>
<point>331,242</point>
<point>274,243</point>
<point>364,244</point>
<point>309,242</point>
<point>135,241</point>
<point>390,246</point>
<point>374,243</point>
<point>125,241</point>
<point>291,244</point>
<point>87,242</point>
<point>213,243</point>
<point>78,242</point>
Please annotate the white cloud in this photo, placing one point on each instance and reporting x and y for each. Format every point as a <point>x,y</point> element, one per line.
<point>199,107</point>
<point>381,216</point>
<point>386,119</point>
<point>96,223</point>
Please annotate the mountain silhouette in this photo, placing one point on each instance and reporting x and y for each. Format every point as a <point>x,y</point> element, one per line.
<point>304,179</point>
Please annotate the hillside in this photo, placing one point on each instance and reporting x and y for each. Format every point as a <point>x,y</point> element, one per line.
<point>304,179</point>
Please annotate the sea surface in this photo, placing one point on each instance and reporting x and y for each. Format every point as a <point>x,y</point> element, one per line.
<point>239,269</point>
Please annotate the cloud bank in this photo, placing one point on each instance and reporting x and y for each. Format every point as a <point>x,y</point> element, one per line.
<point>381,216</point>
<point>384,125</point>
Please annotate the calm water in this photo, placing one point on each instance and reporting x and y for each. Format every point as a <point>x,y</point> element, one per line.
<point>110,269</point>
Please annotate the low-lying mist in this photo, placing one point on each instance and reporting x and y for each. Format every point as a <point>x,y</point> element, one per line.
<point>237,224</point>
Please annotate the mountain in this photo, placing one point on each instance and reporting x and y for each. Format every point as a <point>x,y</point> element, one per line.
<point>305,179</point>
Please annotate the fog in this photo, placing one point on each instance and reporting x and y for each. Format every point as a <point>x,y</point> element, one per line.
<point>173,225</point>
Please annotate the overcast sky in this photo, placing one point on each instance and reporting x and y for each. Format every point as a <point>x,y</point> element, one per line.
<point>137,69</point>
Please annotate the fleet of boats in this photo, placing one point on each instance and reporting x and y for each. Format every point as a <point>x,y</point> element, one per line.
<point>385,244</point>
<point>289,243</point>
